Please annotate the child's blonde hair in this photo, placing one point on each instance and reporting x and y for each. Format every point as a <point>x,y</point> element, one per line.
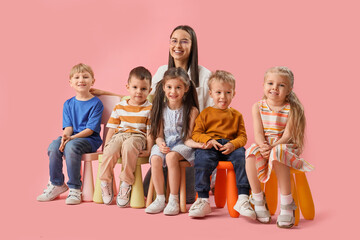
<point>297,110</point>
<point>79,68</point>
<point>222,76</point>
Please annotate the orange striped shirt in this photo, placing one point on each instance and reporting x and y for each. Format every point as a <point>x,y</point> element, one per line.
<point>127,118</point>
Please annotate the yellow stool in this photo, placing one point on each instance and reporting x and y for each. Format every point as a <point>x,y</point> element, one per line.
<point>300,191</point>
<point>137,193</point>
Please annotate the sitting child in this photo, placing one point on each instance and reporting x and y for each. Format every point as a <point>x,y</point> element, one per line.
<point>129,125</point>
<point>222,130</point>
<point>81,127</point>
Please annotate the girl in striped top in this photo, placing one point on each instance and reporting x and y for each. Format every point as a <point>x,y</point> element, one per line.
<point>279,124</point>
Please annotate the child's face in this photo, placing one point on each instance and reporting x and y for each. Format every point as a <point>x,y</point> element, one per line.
<point>222,93</point>
<point>276,87</point>
<point>138,90</point>
<point>180,45</point>
<point>174,90</point>
<point>81,82</point>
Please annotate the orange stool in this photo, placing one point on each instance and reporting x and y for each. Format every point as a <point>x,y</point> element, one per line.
<point>225,187</point>
<point>300,191</point>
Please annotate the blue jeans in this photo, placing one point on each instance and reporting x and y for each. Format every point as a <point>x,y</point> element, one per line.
<point>206,160</point>
<point>73,151</point>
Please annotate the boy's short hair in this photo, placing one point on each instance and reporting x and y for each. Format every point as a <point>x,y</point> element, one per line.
<point>222,76</point>
<point>79,68</point>
<point>140,73</point>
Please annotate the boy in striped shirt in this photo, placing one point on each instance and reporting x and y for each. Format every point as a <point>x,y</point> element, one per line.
<point>129,125</point>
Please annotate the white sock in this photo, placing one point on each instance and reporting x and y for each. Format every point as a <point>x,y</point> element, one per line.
<point>174,197</point>
<point>160,198</point>
<point>259,197</point>
<point>286,200</point>
<point>125,184</point>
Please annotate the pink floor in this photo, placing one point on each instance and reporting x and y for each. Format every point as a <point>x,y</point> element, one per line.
<point>28,219</point>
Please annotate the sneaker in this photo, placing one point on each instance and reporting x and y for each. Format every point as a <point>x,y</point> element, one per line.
<point>156,206</point>
<point>51,192</point>
<point>123,198</point>
<point>74,197</point>
<point>200,208</point>
<point>244,208</point>
<point>172,208</point>
<point>107,192</point>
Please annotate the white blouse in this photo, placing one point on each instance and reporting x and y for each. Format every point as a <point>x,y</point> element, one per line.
<point>202,90</point>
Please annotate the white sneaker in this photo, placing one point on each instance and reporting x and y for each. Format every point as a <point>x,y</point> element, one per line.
<point>74,197</point>
<point>156,206</point>
<point>107,192</point>
<point>51,192</point>
<point>243,207</point>
<point>172,208</point>
<point>200,208</point>
<point>123,198</point>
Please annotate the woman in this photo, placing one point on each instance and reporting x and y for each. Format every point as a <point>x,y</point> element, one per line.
<point>183,52</point>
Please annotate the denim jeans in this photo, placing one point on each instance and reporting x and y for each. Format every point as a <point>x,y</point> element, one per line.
<point>206,160</point>
<point>73,151</point>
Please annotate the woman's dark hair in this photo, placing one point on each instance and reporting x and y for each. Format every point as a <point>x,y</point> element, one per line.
<point>193,57</point>
<point>190,100</point>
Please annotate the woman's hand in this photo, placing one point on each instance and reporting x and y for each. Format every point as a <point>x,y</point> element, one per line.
<point>97,92</point>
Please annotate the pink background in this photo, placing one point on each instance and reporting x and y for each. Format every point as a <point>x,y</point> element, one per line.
<point>42,40</point>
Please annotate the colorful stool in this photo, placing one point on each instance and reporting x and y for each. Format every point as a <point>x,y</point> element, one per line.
<point>225,187</point>
<point>300,191</point>
<point>88,179</point>
<point>151,192</point>
<point>137,192</point>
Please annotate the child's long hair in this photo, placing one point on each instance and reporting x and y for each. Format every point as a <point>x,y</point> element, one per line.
<point>193,57</point>
<point>297,109</point>
<point>189,101</point>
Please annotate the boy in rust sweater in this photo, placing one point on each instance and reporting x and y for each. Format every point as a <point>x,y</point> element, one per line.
<point>221,129</point>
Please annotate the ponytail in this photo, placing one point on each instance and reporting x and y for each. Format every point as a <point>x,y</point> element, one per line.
<point>297,117</point>
<point>156,114</point>
<point>190,100</point>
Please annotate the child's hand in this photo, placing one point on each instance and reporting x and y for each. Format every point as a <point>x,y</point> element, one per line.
<point>144,153</point>
<point>163,148</point>
<point>227,148</point>
<point>202,145</point>
<point>199,145</point>
<point>265,150</point>
<point>213,143</point>
<point>64,140</point>
<point>192,144</point>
